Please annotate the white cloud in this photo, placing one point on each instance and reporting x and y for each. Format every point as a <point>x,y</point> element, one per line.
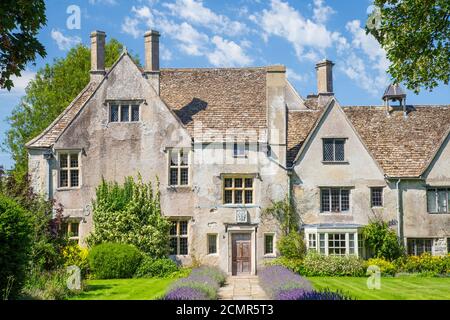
<point>196,13</point>
<point>191,41</point>
<point>105,2</point>
<point>20,83</point>
<point>131,27</point>
<point>322,12</point>
<point>284,21</point>
<point>166,54</point>
<point>64,42</point>
<point>227,53</point>
<point>292,75</point>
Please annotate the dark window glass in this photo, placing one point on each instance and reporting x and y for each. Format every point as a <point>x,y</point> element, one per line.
<point>328,150</point>
<point>345,200</point>
<point>114,116</point>
<point>173,228</point>
<point>228,196</point>
<point>63,160</point>
<point>333,150</point>
<point>339,150</point>
<point>63,178</point>
<point>184,178</point>
<point>248,196</point>
<point>74,178</point>
<point>268,244</point>
<point>237,196</point>
<point>173,176</point>
<point>325,197</point>
<point>183,246</point>
<point>183,228</point>
<point>74,160</point>
<point>335,200</point>
<point>134,113</point>
<point>212,243</point>
<point>417,247</point>
<point>248,182</point>
<point>376,195</point>
<point>173,245</point>
<point>228,183</point>
<point>238,183</point>
<point>74,229</point>
<point>124,113</point>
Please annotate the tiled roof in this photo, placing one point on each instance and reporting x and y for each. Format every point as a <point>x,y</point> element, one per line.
<point>49,136</point>
<point>300,123</point>
<point>221,99</point>
<point>403,147</point>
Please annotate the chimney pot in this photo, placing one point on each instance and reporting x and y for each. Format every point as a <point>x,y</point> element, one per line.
<point>97,53</point>
<point>324,77</point>
<point>151,39</point>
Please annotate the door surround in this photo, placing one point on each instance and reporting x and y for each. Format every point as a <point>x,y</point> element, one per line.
<point>242,229</point>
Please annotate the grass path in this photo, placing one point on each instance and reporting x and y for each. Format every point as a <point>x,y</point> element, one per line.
<point>124,289</point>
<point>401,288</point>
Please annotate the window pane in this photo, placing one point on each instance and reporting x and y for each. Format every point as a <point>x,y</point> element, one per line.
<point>63,160</point>
<point>322,242</point>
<point>134,113</point>
<point>248,182</point>
<point>183,246</point>
<point>184,178</point>
<point>74,229</point>
<point>228,196</point>
<point>63,178</point>
<point>228,183</point>
<point>173,228</point>
<point>377,197</point>
<point>248,196</point>
<point>183,228</point>
<point>312,240</point>
<point>74,160</point>
<point>345,199</point>
<point>268,244</point>
<point>173,157</point>
<point>239,149</point>
<point>124,116</point>
<point>184,157</point>
<point>339,150</point>
<point>325,199</point>
<point>328,152</point>
<point>238,183</point>
<point>74,178</point>
<point>212,243</point>
<point>173,176</point>
<point>335,206</point>
<point>173,245</point>
<point>431,200</point>
<point>238,196</point>
<point>114,117</point>
<point>351,243</point>
<point>442,200</point>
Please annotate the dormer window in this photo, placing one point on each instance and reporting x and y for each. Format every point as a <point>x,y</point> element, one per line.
<point>124,112</point>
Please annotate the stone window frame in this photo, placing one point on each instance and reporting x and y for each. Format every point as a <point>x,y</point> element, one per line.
<point>352,240</point>
<point>216,244</point>
<point>233,189</point>
<point>178,166</point>
<point>130,104</point>
<point>273,242</point>
<point>436,199</point>
<point>374,201</point>
<point>419,243</point>
<point>69,168</point>
<point>68,229</point>
<point>334,160</point>
<point>330,200</point>
<point>179,235</point>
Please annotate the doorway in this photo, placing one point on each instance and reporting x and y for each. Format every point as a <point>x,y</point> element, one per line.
<point>241,254</point>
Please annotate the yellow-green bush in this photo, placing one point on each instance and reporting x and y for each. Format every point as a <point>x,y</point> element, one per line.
<point>74,255</point>
<point>386,267</point>
<point>426,263</point>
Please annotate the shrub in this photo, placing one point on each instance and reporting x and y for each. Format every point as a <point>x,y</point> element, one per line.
<point>114,260</point>
<point>74,255</point>
<point>278,280</point>
<point>185,293</point>
<point>316,264</point>
<point>130,214</point>
<point>15,242</point>
<point>292,246</point>
<point>325,295</point>
<point>382,241</point>
<point>426,263</point>
<point>295,265</point>
<point>202,283</point>
<point>155,268</point>
<point>386,267</point>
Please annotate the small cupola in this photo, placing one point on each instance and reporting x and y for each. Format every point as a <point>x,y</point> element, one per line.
<point>394,92</point>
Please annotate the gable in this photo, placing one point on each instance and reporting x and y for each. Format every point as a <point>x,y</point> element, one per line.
<point>359,163</point>
<point>439,169</point>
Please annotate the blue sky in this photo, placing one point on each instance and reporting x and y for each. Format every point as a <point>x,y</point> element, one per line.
<point>213,33</point>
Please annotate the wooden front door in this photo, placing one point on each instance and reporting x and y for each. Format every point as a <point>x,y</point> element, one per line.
<point>241,254</point>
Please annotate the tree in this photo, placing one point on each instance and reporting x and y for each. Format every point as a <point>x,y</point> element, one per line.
<point>382,241</point>
<point>415,35</point>
<point>54,87</point>
<point>130,214</point>
<point>20,22</point>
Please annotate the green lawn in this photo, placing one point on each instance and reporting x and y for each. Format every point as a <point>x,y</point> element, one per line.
<point>124,289</point>
<point>401,288</point>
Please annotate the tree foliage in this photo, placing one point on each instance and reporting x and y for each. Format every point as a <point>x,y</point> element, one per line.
<point>130,214</point>
<point>382,241</point>
<point>285,213</point>
<point>20,22</point>
<point>415,35</point>
<point>52,90</point>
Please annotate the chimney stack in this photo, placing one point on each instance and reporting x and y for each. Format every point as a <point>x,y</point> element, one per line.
<point>151,70</point>
<point>325,77</point>
<point>97,55</point>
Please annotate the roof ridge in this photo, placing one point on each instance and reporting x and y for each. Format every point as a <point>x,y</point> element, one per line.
<point>210,68</point>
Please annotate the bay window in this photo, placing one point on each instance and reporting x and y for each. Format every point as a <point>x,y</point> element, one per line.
<point>335,243</point>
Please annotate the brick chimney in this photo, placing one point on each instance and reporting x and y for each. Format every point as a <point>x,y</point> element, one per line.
<point>151,70</point>
<point>325,77</point>
<point>97,55</point>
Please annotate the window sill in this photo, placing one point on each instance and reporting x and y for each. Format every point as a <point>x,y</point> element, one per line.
<point>68,188</point>
<point>437,213</point>
<point>377,207</point>
<point>236,206</point>
<point>122,122</point>
<point>270,255</point>
<point>180,188</point>
<point>240,156</point>
<point>340,213</point>
<point>335,162</point>
<point>212,255</point>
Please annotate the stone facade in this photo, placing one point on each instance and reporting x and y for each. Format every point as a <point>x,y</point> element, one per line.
<point>209,114</point>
